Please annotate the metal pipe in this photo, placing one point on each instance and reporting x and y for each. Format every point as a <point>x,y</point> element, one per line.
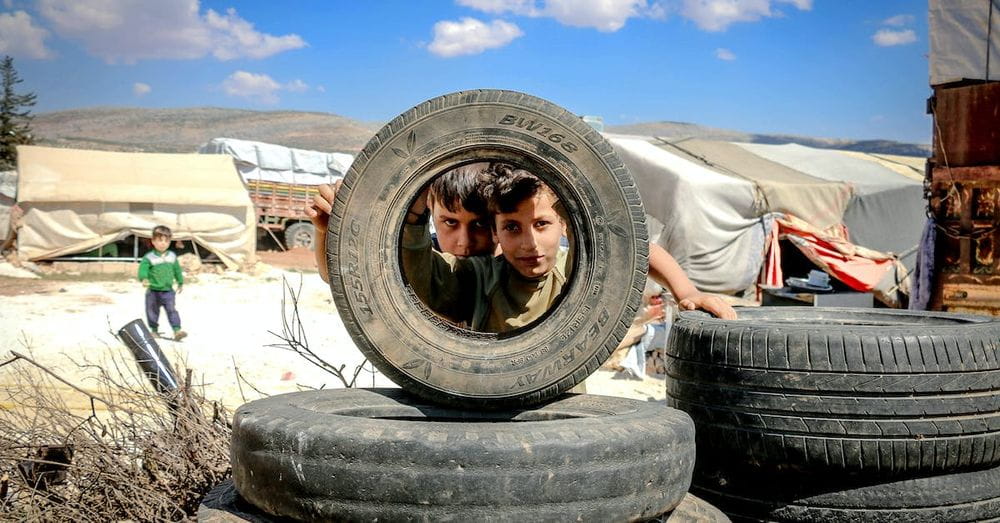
<point>148,355</point>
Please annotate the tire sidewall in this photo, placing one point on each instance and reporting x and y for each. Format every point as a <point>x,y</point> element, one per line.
<point>425,354</point>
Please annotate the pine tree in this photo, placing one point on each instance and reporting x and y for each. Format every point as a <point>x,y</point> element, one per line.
<point>15,118</point>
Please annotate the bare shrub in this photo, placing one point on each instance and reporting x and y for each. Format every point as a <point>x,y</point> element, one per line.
<point>133,455</point>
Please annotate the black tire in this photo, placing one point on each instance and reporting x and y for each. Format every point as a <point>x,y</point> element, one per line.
<point>424,354</point>
<point>300,234</point>
<point>384,455</point>
<point>957,497</point>
<point>840,390</point>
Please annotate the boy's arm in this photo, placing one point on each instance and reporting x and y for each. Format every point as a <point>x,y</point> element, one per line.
<point>665,270</point>
<point>144,271</point>
<point>436,278</point>
<point>178,275</point>
<point>318,212</point>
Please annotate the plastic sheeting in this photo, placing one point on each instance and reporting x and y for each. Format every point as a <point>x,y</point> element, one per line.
<point>710,225</point>
<point>276,163</point>
<point>713,204</point>
<point>75,201</point>
<point>963,45</point>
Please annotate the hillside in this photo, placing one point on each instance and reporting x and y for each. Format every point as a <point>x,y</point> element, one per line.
<point>673,130</point>
<point>184,130</point>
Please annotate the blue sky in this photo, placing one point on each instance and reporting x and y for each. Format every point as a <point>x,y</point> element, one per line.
<point>831,68</point>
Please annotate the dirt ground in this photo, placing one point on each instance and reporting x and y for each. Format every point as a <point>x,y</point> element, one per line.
<point>63,320</point>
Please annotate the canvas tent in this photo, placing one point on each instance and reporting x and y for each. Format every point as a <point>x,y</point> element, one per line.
<point>713,205</point>
<point>8,190</point>
<point>77,200</point>
<point>275,163</point>
<point>965,38</point>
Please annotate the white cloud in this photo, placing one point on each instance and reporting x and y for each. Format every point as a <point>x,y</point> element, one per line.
<point>321,88</point>
<point>9,4</point>
<point>235,38</point>
<point>260,87</point>
<point>898,20</point>
<point>471,36</point>
<point>603,15</point>
<point>517,7</point>
<point>21,38</point>
<point>725,54</point>
<point>718,15</point>
<point>889,37</point>
<point>127,30</point>
<point>297,86</point>
<point>140,89</point>
<point>257,87</point>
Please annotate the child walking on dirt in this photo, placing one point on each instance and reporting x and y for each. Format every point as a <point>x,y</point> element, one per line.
<point>158,271</point>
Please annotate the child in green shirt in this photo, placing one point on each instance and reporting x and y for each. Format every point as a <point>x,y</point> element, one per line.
<point>158,270</point>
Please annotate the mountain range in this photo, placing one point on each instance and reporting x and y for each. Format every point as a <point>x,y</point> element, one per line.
<point>186,129</point>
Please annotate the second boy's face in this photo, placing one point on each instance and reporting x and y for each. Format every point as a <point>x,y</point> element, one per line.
<point>530,235</point>
<point>160,243</point>
<point>462,233</point>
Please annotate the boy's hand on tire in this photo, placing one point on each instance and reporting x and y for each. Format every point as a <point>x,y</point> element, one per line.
<point>713,304</point>
<point>321,206</point>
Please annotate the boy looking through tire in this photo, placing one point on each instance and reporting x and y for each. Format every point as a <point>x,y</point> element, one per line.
<point>501,293</point>
<point>460,214</point>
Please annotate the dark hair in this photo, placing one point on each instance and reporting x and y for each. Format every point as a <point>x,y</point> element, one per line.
<point>511,186</point>
<point>462,187</point>
<point>162,231</point>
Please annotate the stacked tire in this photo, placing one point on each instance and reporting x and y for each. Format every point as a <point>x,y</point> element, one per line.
<point>482,429</point>
<point>811,414</point>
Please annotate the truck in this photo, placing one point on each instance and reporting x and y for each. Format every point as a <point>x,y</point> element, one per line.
<point>281,181</point>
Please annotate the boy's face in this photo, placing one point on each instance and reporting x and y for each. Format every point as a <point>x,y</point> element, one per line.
<point>530,235</point>
<point>160,243</point>
<point>462,233</point>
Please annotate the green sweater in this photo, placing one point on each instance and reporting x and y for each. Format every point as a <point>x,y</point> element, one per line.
<point>161,269</point>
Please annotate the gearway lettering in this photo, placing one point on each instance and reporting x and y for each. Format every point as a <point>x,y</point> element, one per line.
<point>539,128</point>
<point>564,359</point>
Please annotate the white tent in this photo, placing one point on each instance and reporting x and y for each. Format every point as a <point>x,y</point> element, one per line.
<point>77,200</point>
<point>275,163</point>
<point>712,204</point>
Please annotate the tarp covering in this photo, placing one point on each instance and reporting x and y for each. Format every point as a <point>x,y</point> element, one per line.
<point>275,163</point>
<point>963,45</point>
<point>77,200</point>
<point>8,193</point>
<point>712,205</point>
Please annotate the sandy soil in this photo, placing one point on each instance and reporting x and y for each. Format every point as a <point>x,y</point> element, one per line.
<point>230,319</point>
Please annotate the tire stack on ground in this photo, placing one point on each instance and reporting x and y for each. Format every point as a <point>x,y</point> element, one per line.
<point>810,414</point>
<point>481,429</point>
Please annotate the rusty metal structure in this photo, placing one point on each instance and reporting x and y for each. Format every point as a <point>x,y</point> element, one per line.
<point>963,175</point>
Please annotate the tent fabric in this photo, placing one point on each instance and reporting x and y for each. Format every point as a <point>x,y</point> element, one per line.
<point>886,209</point>
<point>276,163</point>
<point>963,45</point>
<point>861,269</point>
<point>710,223</point>
<point>717,202</point>
<point>8,194</point>
<point>781,189</point>
<point>76,200</point>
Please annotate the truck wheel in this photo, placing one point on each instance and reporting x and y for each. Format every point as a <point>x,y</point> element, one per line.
<point>963,496</point>
<point>420,351</point>
<point>300,234</point>
<point>827,391</point>
<point>385,455</point>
